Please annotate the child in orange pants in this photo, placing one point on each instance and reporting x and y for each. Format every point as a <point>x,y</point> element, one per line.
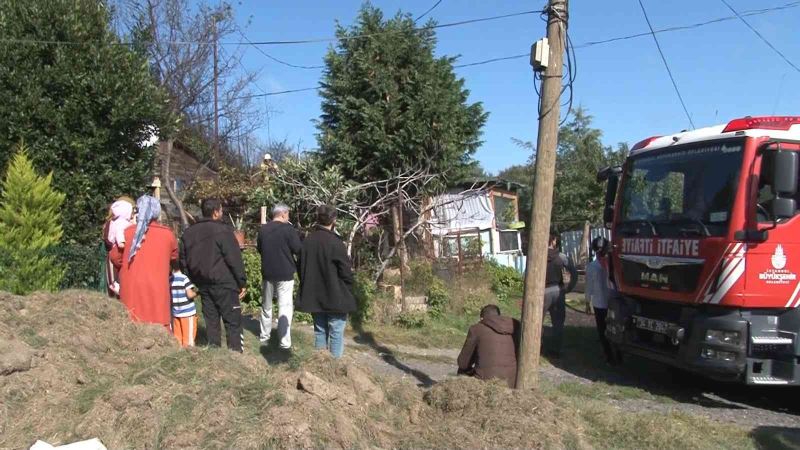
<point>184,312</point>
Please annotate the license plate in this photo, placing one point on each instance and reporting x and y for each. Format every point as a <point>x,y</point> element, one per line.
<point>656,326</point>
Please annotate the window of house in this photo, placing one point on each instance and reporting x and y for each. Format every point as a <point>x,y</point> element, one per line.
<point>509,241</point>
<point>178,185</point>
<point>504,210</point>
<point>470,246</point>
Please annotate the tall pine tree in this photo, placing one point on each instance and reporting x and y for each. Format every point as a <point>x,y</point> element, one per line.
<point>30,226</point>
<point>388,104</point>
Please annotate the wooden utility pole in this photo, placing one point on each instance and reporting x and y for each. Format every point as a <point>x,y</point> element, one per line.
<point>216,82</point>
<point>544,175</point>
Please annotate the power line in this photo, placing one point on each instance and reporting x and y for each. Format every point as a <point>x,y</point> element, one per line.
<point>666,65</point>
<point>269,94</point>
<point>285,42</point>
<point>760,36</point>
<point>748,13</point>
<point>428,11</point>
<point>260,50</point>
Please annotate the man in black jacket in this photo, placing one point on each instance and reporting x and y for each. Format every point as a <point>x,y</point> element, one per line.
<point>326,283</point>
<point>212,259</point>
<point>279,244</point>
<point>554,294</point>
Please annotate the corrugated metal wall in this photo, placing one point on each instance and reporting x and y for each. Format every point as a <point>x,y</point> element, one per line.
<point>571,240</point>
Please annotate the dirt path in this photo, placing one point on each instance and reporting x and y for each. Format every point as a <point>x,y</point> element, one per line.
<point>657,387</point>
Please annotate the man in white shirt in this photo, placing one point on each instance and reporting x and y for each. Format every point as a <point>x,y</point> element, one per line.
<point>597,291</point>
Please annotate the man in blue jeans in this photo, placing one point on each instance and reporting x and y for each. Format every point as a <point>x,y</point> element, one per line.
<point>326,283</point>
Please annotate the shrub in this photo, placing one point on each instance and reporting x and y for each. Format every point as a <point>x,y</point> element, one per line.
<point>84,265</point>
<point>252,268</point>
<point>412,319</point>
<point>438,298</point>
<point>420,277</point>
<point>506,281</point>
<point>252,298</point>
<point>30,226</point>
<point>365,292</point>
<point>422,280</point>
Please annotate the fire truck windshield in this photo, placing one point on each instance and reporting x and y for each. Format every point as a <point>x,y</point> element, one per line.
<point>681,190</point>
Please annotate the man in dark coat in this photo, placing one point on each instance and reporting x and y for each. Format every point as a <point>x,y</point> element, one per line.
<point>212,259</point>
<point>490,350</point>
<point>279,244</point>
<point>555,294</point>
<point>326,283</point>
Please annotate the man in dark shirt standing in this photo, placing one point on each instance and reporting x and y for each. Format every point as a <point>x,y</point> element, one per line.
<point>555,294</point>
<point>279,246</point>
<point>212,259</point>
<point>326,283</point>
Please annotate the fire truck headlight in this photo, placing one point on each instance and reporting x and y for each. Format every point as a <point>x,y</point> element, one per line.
<point>710,353</point>
<point>723,337</point>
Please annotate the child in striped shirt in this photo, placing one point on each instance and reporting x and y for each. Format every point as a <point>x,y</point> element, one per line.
<point>184,312</point>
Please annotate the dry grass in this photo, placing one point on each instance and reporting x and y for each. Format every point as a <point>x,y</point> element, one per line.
<point>96,374</point>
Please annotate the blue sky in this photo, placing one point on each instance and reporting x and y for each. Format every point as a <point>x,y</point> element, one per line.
<point>723,70</point>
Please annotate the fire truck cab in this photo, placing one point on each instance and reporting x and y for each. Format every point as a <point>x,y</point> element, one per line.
<point>705,250</point>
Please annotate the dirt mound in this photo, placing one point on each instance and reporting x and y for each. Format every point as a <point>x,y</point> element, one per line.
<point>73,367</point>
<point>490,412</point>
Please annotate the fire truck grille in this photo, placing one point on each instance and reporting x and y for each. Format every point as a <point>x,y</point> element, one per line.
<point>675,278</point>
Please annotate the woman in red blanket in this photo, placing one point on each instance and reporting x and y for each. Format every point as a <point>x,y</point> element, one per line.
<point>144,265</point>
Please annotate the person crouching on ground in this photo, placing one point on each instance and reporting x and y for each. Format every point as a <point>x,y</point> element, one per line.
<point>490,350</point>
<point>184,312</point>
<point>279,244</point>
<point>326,283</point>
<point>212,259</point>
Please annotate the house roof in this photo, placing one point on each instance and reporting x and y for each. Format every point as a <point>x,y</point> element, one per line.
<point>492,182</point>
<point>460,212</point>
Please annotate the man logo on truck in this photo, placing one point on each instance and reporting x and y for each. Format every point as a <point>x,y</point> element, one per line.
<point>653,277</point>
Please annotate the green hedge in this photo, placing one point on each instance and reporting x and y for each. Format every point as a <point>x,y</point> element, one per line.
<point>84,264</point>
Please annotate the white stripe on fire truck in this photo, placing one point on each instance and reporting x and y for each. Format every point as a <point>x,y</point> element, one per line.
<point>737,256</point>
<point>736,273</point>
<point>728,261</point>
<point>794,295</point>
<point>707,286</point>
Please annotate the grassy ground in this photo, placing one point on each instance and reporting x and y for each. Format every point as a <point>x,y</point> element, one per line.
<point>83,370</point>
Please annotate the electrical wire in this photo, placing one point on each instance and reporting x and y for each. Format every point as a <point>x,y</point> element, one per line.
<point>260,50</point>
<point>760,36</point>
<point>748,13</point>
<point>666,65</point>
<point>428,11</point>
<point>286,42</point>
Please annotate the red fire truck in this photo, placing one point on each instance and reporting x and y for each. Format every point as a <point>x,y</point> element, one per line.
<point>706,250</point>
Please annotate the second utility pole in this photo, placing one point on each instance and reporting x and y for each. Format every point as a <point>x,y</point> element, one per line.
<point>544,176</point>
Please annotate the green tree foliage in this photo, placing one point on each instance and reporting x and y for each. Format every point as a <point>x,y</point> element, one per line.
<point>388,104</point>
<point>84,107</point>
<point>30,226</point>
<point>577,196</point>
<point>523,174</point>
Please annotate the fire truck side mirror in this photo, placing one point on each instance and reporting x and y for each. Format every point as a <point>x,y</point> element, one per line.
<point>611,176</point>
<point>783,168</point>
<point>783,208</point>
<point>784,172</point>
<point>608,216</point>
